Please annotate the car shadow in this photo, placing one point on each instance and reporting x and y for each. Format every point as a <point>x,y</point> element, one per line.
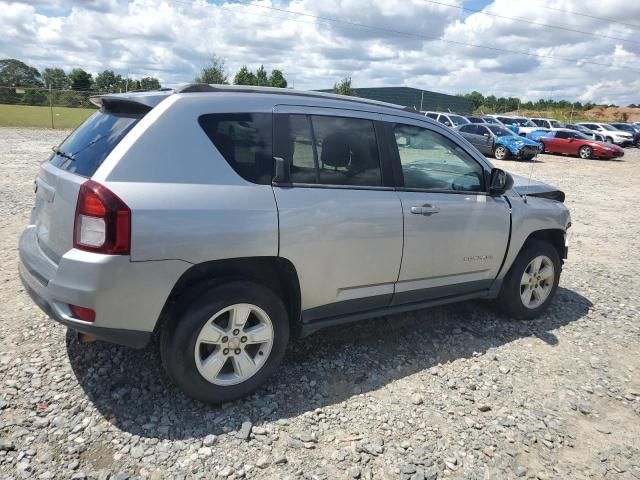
<point>130,389</point>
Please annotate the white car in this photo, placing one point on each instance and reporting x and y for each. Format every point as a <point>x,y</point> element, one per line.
<point>548,123</point>
<point>520,125</point>
<point>449,119</point>
<point>610,134</point>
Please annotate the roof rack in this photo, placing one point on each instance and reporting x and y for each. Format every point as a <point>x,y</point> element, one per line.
<point>205,87</point>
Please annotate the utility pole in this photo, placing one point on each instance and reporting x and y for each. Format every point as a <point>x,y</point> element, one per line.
<point>51,105</point>
<point>571,118</point>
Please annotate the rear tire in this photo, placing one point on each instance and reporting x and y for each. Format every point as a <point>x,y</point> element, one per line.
<point>501,153</point>
<point>215,359</point>
<point>608,140</point>
<point>531,282</point>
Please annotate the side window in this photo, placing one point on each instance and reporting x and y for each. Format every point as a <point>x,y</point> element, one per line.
<point>432,115</point>
<point>537,122</point>
<point>444,119</point>
<point>561,134</point>
<point>244,140</point>
<point>468,129</point>
<point>345,151</point>
<point>431,161</point>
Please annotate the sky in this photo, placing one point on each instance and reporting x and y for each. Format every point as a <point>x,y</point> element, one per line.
<point>497,47</point>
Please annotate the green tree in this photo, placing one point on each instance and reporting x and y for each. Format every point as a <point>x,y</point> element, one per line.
<point>214,72</point>
<point>476,99</point>
<point>108,81</point>
<point>150,83</point>
<point>35,96</point>
<point>261,77</point>
<point>15,73</point>
<point>245,77</point>
<point>276,79</point>
<point>80,80</point>
<point>343,87</point>
<point>55,78</point>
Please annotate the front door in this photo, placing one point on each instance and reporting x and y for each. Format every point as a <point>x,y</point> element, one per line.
<point>455,235</point>
<point>340,218</point>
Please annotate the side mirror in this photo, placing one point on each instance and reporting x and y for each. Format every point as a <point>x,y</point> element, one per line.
<point>282,174</point>
<point>500,181</point>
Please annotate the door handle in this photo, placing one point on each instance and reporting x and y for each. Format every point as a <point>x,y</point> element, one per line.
<point>425,209</point>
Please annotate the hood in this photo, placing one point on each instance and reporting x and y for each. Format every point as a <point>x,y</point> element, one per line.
<point>511,140</point>
<point>525,186</point>
<point>595,143</point>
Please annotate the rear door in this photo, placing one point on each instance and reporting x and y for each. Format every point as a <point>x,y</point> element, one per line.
<point>455,235</point>
<point>59,179</point>
<point>340,218</point>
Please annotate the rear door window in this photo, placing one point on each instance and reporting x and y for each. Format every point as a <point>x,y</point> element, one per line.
<point>89,145</point>
<point>330,150</point>
<point>245,142</point>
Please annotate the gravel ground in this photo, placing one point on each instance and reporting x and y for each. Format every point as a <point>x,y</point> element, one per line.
<point>452,392</point>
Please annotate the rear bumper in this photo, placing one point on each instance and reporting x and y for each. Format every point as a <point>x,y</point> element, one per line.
<point>127,296</point>
<point>129,338</point>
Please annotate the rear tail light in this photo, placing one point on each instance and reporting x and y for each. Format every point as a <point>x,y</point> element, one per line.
<point>82,313</point>
<point>103,221</point>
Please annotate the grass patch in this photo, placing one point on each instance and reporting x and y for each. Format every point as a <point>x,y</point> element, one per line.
<point>30,116</point>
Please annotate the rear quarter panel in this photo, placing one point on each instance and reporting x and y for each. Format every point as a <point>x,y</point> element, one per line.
<point>187,203</point>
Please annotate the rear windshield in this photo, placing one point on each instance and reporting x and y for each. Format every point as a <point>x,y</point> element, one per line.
<point>87,147</point>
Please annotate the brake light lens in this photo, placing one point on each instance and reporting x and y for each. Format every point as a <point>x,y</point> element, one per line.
<point>103,221</point>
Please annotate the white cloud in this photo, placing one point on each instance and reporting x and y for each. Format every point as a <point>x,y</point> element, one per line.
<point>172,39</point>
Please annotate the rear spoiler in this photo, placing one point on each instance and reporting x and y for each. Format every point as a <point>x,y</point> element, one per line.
<point>128,103</point>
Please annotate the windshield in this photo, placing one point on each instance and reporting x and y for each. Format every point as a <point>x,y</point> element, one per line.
<point>458,120</point>
<point>87,147</point>
<point>491,120</point>
<point>555,124</point>
<point>608,127</point>
<point>500,131</point>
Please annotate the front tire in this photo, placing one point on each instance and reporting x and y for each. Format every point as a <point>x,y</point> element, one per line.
<point>585,152</point>
<point>608,140</point>
<point>226,343</point>
<point>501,153</point>
<point>531,282</point>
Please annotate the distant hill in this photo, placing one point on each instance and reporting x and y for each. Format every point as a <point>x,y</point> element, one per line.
<point>596,114</point>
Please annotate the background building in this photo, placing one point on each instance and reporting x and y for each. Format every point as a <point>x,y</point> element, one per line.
<point>416,98</point>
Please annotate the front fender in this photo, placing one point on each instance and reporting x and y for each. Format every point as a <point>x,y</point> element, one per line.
<point>532,216</point>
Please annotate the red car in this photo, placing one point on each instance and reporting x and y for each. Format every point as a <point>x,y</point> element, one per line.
<point>570,142</point>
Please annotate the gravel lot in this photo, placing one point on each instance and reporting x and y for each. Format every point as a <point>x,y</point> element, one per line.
<point>452,392</point>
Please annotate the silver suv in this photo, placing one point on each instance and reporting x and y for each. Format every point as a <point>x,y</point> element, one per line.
<point>227,220</point>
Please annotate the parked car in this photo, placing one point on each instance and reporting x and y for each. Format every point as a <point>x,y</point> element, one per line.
<point>519,125</point>
<point>499,141</point>
<point>585,131</point>
<point>490,119</point>
<point>611,134</point>
<point>151,218</point>
<point>475,119</point>
<point>569,142</point>
<point>548,123</point>
<point>449,119</point>
<point>629,128</point>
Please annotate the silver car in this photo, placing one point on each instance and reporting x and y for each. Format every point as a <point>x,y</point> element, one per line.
<point>228,220</point>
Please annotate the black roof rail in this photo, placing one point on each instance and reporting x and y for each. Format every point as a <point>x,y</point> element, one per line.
<point>205,87</point>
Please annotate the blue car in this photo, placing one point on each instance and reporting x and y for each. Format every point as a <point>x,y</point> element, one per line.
<point>499,141</point>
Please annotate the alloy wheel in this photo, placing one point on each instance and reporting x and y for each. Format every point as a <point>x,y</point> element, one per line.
<point>234,344</point>
<point>537,282</point>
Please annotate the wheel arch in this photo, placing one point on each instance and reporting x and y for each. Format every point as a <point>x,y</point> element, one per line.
<point>276,273</point>
<point>554,236</point>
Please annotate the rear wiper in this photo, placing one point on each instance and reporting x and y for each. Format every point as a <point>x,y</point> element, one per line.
<point>63,154</point>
